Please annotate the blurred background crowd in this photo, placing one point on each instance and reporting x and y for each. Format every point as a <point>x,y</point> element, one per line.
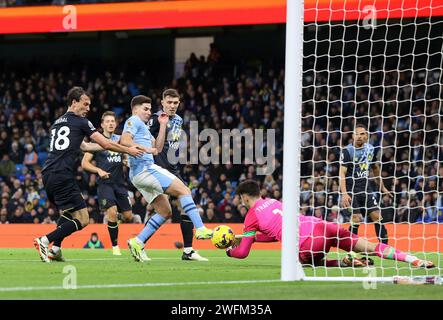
<point>404,120</point>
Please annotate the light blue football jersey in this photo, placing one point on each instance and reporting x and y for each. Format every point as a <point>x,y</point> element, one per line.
<point>141,135</point>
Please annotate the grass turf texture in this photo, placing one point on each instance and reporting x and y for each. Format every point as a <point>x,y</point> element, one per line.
<point>103,276</point>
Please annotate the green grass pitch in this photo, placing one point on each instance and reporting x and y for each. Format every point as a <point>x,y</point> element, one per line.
<point>103,276</point>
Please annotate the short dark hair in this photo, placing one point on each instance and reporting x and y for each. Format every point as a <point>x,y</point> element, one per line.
<point>361,125</point>
<point>249,187</point>
<point>108,113</point>
<point>76,93</point>
<point>171,93</point>
<point>140,99</point>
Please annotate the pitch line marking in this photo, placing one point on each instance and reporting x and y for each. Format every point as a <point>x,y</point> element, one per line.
<point>136,285</point>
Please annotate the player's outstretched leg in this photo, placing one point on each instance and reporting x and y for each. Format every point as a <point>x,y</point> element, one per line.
<point>55,253</point>
<point>112,216</point>
<point>179,190</point>
<point>355,223</point>
<point>164,211</point>
<point>189,253</point>
<point>381,232</point>
<point>79,221</point>
<point>387,252</point>
<point>188,205</point>
<point>324,236</point>
<point>42,246</point>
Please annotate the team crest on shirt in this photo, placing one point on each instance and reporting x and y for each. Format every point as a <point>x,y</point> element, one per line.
<point>104,202</point>
<point>129,123</point>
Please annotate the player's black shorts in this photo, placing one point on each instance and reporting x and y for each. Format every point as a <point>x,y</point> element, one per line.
<point>113,195</point>
<point>364,202</point>
<point>63,191</point>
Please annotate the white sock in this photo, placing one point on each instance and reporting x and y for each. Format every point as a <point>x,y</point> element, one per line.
<point>45,240</point>
<point>139,241</point>
<point>113,247</point>
<point>410,259</point>
<point>188,250</point>
<point>55,249</point>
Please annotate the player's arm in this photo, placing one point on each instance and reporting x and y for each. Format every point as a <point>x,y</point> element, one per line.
<point>125,160</point>
<point>242,250</point>
<point>88,166</point>
<point>113,146</point>
<point>379,180</point>
<point>345,198</point>
<point>160,140</point>
<point>90,147</point>
<point>259,237</point>
<point>242,245</point>
<point>127,140</point>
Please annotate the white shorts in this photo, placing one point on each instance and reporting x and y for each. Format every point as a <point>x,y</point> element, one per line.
<point>153,182</point>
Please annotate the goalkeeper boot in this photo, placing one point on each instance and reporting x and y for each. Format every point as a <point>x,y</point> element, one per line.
<point>136,249</point>
<point>116,251</point>
<point>203,233</point>
<point>56,256</point>
<point>42,249</point>
<point>425,264</point>
<point>193,255</point>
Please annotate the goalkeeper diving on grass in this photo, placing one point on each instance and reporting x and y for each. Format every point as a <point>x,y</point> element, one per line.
<point>263,223</point>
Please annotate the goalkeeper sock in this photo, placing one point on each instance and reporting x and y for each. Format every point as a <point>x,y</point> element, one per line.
<point>354,228</point>
<point>188,205</point>
<point>380,231</point>
<point>387,252</point>
<point>150,227</point>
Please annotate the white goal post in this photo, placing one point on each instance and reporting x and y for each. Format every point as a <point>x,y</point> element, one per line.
<point>378,63</point>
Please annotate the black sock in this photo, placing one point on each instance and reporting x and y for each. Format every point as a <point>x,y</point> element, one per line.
<point>113,232</point>
<point>354,228</point>
<point>65,217</point>
<point>64,230</point>
<point>381,232</point>
<point>187,228</point>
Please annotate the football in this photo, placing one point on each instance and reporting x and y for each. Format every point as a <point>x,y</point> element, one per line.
<point>223,237</point>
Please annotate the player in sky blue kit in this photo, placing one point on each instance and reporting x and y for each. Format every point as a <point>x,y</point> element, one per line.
<point>67,134</point>
<point>170,103</point>
<point>111,190</point>
<point>153,181</point>
<point>356,161</point>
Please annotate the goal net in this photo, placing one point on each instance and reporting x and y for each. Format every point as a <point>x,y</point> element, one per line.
<point>376,63</point>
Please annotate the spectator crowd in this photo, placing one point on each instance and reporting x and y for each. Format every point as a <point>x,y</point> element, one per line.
<point>406,128</point>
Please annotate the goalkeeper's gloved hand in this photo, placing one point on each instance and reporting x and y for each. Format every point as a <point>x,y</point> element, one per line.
<point>351,260</point>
